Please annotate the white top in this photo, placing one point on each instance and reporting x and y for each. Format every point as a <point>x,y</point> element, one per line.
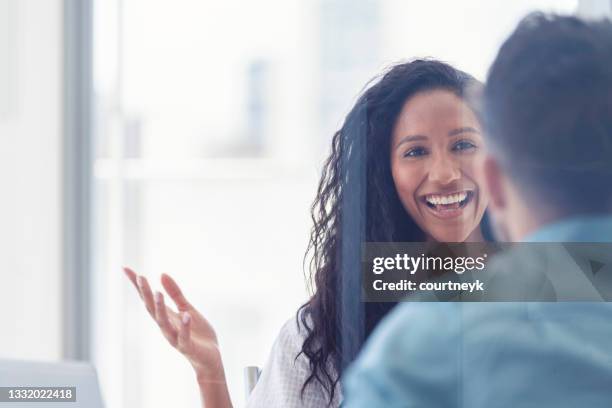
<point>281,380</point>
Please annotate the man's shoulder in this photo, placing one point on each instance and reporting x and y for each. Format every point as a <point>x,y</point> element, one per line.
<point>446,318</point>
<point>423,326</point>
<point>413,326</point>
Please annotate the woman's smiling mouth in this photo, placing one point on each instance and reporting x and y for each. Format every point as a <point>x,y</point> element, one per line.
<point>448,205</point>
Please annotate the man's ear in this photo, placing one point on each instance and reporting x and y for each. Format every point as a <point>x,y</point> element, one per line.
<point>494,179</point>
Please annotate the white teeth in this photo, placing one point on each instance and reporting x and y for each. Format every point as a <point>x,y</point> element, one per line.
<point>436,199</point>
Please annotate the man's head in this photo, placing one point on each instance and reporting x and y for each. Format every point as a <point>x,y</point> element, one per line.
<point>548,116</point>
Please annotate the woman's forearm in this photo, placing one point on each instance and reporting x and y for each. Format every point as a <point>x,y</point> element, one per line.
<point>213,389</point>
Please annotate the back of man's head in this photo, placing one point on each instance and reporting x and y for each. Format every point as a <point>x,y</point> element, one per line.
<point>548,111</point>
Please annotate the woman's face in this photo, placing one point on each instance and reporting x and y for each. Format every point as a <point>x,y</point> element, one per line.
<point>436,147</point>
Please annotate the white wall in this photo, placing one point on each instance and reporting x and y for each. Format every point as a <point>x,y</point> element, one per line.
<point>30,179</point>
<point>594,9</point>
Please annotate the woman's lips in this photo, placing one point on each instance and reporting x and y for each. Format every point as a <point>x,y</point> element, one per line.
<point>447,206</point>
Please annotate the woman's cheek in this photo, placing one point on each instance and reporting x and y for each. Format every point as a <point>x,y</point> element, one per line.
<point>469,166</point>
<point>407,180</point>
<point>403,177</point>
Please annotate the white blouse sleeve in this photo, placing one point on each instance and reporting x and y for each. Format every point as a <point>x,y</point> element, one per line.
<point>282,378</point>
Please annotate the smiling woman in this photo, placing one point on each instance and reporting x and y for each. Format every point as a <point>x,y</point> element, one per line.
<point>421,143</point>
<point>436,147</point>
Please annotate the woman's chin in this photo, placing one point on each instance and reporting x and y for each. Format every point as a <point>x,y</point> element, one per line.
<point>450,235</point>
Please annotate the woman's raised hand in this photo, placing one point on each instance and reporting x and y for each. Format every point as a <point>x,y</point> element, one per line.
<point>186,329</point>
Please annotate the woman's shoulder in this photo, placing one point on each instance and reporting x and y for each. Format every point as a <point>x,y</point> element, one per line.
<point>295,330</point>
<point>283,376</point>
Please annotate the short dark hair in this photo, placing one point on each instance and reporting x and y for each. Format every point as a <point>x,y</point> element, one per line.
<point>548,110</point>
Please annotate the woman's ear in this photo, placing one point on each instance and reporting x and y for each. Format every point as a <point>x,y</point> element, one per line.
<point>495,184</point>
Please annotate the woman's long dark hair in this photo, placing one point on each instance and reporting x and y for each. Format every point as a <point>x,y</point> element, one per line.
<point>357,202</point>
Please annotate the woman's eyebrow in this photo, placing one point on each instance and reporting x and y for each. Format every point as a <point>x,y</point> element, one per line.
<point>466,129</point>
<point>410,138</point>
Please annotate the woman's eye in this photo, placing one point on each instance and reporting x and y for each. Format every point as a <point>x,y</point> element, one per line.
<point>464,145</point>
<point>416,152</point>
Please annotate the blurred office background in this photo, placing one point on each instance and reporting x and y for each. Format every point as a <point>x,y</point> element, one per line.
<point>186,137</point>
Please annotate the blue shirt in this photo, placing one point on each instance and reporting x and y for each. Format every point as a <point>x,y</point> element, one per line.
<point>492,354</point>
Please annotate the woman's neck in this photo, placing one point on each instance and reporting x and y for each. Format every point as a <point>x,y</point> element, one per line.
<point>475,236</point>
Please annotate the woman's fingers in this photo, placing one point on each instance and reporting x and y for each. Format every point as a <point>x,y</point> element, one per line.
<point>147,295</point>
<point>184,334</point>
<point>167,320</point>
<point>162,319</point>
<point>175,293</point>
<point>132,277</point>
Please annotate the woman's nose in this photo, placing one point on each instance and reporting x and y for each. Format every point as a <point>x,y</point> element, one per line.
<point>444,170</point>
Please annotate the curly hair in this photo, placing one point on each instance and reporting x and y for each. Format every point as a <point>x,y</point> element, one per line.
<point>357,202</point>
